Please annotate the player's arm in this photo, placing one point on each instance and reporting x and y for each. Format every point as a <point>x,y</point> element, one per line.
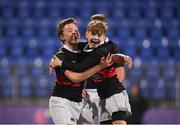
<point>119,68</point>
<point>127,59</point>
<point>78,77</point>
<point>88,62</point>
<point>120,72</point>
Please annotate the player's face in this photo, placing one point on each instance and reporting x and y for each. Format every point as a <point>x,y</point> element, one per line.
<point>94,40</point>
<point>71,34</point>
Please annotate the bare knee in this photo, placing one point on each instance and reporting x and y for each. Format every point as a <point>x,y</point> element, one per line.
<point>119,122</point>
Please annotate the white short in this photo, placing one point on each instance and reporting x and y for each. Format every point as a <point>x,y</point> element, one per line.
<point>117,102</point>
<point>64,111</point>
<point>93,111</point>
<point>89,113</point>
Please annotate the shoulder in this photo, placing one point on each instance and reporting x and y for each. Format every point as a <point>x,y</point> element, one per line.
<point>82,45</point>
<point>110,42</point>
<point>61,53</point>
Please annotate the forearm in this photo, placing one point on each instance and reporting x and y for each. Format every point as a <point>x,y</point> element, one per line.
<point>78,77</point>
<point>120,73</point>
<point>81,67</point>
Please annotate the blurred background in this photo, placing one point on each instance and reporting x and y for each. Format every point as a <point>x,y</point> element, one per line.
<point>147,30</point>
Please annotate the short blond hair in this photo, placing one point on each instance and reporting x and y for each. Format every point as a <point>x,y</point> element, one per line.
<point>99,17</point>
<point>97,27</point>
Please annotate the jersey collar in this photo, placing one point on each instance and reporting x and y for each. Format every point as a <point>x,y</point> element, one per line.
<point>87,49</point>
<point>69,49</point>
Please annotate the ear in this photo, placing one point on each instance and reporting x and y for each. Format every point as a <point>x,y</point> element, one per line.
<point>62,37</point>
<point>104,37</point>
<point>87,33</point>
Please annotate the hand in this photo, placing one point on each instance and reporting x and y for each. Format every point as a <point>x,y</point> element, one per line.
<point>55,61</point>
<point>106,62</point>
<point>128,61</point>
<point>84,93</point>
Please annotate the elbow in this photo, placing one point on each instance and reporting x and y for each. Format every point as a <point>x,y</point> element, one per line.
<point>75,79</point>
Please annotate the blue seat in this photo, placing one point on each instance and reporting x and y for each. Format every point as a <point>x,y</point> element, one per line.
<point>43,85</point>
<point>44,29</point>
<point>163,55</point>
<point>25,87</point>
<point>31,48</point>
<point>16,51</point>
<point>150,13</point>
<point>36,72</point>
<point>173,33</point>
<point>152,73</point>
<point>146,55</point>
<point>7,12</point>
<point>173,41</point>
<point>167,13</point>
<point>135,73</point>
<point>7,88</point>
<point>22,70</point>
<point>169,74</point>
<point>159,92</point>
<point>23,10</point>
<point>3,51</point>
<point>135,13</point>
<point>12,30</point>
<point>171,89</point>
<point>155,42</point>
<point>144,88</point>
<point>54,12</point>
<point>140,32</point>
<point>39,11</point>
<point>177,56</point>
<point>5,71</point>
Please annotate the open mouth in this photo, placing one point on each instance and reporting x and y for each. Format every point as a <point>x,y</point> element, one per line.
<point>95,41</point>
<point>75,36</point>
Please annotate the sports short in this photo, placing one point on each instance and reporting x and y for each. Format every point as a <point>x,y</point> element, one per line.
<point>64,111</point>
<point>90,110</point>
<point>116,103</point>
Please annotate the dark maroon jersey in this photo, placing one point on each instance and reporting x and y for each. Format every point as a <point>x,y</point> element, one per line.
<point>105,80</point>
<point>64,87</point>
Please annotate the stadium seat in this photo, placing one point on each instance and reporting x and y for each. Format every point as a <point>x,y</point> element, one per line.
<point>177,56</point>
<point>135,74</point>
<point>3,51</point>
<point>163,55</point>
<point>7,12</point>
<point>144,88</point>
<point>42,88</point>
<point>152,73</point>
<point>159,91</point>
<point>169,74</point>
<point>25,87</point>
<point>146,55</point>
<point>7,88</point>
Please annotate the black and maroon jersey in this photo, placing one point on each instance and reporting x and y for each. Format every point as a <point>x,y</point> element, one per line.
<point>105,80</point>
<point>64,87</point>
<point>93,58</point>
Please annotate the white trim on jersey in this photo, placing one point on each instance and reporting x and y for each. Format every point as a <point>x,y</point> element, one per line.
<point>68,48</point>
<point>87,49</point>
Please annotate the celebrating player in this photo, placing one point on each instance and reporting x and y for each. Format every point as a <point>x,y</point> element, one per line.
<point>109,87</point>
<point>65,103</point>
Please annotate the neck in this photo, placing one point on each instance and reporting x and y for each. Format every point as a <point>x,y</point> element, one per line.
<point>74,47</point>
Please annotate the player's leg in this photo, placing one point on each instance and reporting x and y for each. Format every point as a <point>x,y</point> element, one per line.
<point>118,106</point>
<point>104,116</point>
<point>61,111</point>
<point>89,114</point>
<point>119,118</point>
